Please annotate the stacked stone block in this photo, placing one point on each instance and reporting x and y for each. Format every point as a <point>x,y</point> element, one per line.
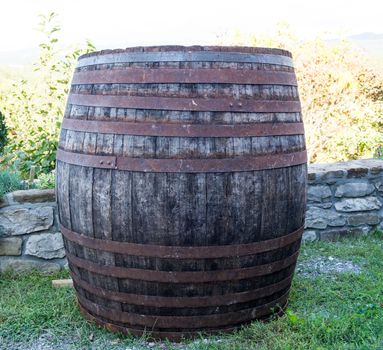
<point>344,199</point>
<point>29,232</point>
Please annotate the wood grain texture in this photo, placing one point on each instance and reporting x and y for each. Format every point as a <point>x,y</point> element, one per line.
<point>181,209</point>
<point>64,283</point>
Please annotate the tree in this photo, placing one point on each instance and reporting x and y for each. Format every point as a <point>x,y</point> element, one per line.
<point>34,108</point>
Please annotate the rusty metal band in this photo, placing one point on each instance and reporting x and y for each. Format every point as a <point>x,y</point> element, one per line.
<point>194,56</point>
<point>223,104</point>
<point>182,276</point>
<point>166,75</point>
<point>188,322</point>
<point>180,302</point>
<point>183,130</point>
<point>171,165</point>
<point>151,334</point>
<point>179,252</point>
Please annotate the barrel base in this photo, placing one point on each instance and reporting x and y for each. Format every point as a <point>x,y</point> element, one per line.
<point>172,336</point>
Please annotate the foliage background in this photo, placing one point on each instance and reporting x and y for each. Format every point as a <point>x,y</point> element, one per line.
<point>34,106</point>
<point>340,91</point>
<point>341,97</point>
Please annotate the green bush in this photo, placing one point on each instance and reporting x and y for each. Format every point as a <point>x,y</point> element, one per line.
<point>45,181</point>
<point>10,181</point>
<point>3,133</point>
<point>34,108</point>
<point>341,95</point>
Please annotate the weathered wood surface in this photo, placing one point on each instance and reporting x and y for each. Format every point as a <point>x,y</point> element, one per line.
<point>65,283</point>
<point>181,209</point>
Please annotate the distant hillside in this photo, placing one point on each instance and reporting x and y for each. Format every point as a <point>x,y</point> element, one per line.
<point>366,36</point>
<point>373,46</point>
<point>19,57</point>
<point>371,43</point>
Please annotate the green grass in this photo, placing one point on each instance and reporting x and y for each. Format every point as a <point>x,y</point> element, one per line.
<point>332,311</point>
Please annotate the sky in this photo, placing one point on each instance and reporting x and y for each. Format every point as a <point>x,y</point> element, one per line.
<point>115,23</point>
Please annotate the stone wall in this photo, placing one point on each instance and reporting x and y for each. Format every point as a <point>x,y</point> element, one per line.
<point>29,232</point>
<point>343,199</point>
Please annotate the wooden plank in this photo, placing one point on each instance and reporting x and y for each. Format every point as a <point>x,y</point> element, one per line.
<point>64,283</point>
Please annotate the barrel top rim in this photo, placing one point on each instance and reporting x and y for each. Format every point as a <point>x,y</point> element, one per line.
<point>194,48</point>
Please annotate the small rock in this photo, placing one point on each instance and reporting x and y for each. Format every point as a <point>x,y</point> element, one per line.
<point>376,169</point>
<point>6,200</point>
<point>354,189</point>
<point>330,177</point>
<point>45,245</point>
<point>357,172</point>
<point>309,236</point>
<point>315,219</point>
<point>379,186</point>
<point>315,222</point>
<point>336,220</point>
<point>333,234</point>
<point>324,205</point>
<point>366,218</point>
<point>10,246</point>
<point>23,265</point>
<point>22,220</point>
<point>358,204</point>
<point>318,193</point>
<point>319,218</point>
<point>34,196</point>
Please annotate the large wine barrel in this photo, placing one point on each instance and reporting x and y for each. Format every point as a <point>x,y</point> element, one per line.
<point>181,186</point>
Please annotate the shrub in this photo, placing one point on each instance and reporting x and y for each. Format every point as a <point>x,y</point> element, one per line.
<point>44,181</point>
<point>341,95</point>
<point>3,133</point>
<point>10,181</point>
<point>34,108</point>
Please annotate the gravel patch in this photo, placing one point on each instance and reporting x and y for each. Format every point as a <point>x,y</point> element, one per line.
<point>318,266</point>
<point>46,342</point>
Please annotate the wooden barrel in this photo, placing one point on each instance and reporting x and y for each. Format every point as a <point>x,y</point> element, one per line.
<point>181,186</point>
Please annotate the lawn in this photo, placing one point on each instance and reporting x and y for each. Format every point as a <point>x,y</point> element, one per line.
<point>336,303</point>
